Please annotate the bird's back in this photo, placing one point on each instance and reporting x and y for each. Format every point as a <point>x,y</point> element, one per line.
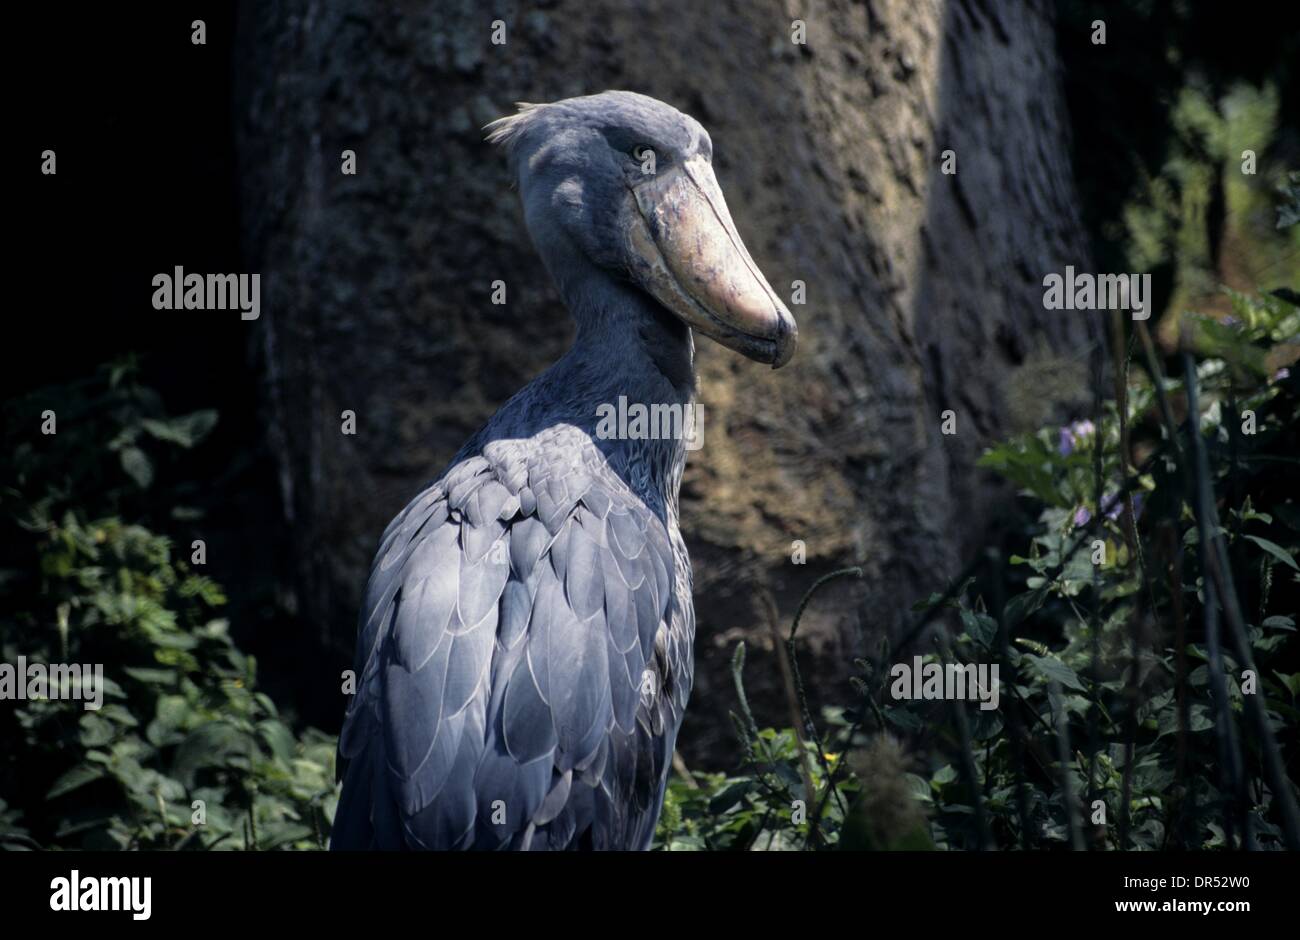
<point>523,658</point>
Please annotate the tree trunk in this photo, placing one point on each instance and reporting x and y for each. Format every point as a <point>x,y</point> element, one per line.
<point>923,289</point>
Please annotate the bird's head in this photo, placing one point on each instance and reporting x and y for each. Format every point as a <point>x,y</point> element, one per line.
<point>627,181</point>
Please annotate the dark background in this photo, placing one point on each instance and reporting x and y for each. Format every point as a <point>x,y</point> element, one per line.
<point>142,126</point>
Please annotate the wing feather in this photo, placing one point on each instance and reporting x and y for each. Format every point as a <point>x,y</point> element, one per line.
<point>512,657</point>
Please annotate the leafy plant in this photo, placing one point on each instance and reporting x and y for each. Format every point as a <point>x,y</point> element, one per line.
<point>1143,622</point>
<point>185,752</point>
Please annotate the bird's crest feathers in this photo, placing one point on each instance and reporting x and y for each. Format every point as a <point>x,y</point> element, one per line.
<point>506,131</point>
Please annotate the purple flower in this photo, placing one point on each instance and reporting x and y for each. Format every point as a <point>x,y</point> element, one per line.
<point>1231,321</point>
<point>1113,506</point>
<point>1281,374</point>
<point>1072,435</point>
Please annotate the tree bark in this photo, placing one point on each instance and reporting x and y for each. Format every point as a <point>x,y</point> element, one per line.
<point>923,289</point>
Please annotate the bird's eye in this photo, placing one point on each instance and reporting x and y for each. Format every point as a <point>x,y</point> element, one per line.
<point>639,151</point>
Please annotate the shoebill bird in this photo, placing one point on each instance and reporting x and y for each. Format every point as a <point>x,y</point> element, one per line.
<point>524,651</point>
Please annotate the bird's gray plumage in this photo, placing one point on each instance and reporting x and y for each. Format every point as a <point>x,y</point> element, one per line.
<point>528,642</point>
<point>524,650</point>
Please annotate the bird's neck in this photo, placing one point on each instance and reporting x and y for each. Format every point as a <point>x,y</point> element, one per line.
<point>626,344</point>
<point>630,358</point>
<point>645,352</point>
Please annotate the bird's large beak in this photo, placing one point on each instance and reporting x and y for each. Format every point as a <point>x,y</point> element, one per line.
<point>684,250</point>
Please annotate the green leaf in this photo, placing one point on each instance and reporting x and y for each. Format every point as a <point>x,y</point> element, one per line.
<point>151,676</point>
<point>137,466</point>
<point>273,835</point>
<point>1292,682</point>
<point>185,431</point>
<point>944,775</point>
<point>119,714</point>
<point>917,785</point>
<point>981,628</point>
<point>96,731</point>
<point>1022,605</point>
<point>1199,719</point>
<point>1049,668</point>
<point>1277,551</point>
<point>730,796</point>
<point>210,745</point>
<point>78,776</point>
<point>904,719</point>
<point>278,738</point>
